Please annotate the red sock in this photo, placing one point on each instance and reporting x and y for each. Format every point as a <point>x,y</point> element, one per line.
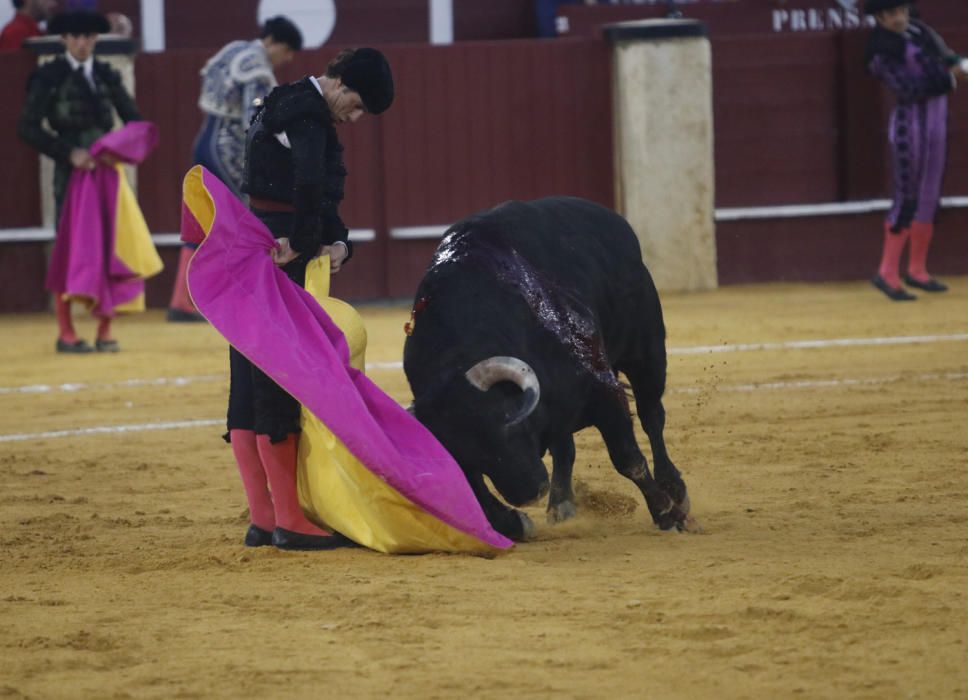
<point>65,326</point>
<point>253,479</point>
<point>891,255</point>
<point>104,328</point>
<point>921,234</point>
<point>180,298</point>
<point>279,461</point>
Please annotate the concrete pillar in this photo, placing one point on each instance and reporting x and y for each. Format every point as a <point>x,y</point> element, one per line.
<point>120,53</point>
<point>663,126</point>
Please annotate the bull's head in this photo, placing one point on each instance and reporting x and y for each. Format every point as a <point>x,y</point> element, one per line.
<point>480,418</point>
<point>489,372</point>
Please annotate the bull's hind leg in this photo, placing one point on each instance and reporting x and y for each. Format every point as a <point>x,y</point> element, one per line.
<point>648,385</point>
<point>615,425</point>
<point>509,522</point>
<point>666,473</point>
<point>561,500</point>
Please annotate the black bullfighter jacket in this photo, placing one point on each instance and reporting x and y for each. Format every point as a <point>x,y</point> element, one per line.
<point>309,174</point>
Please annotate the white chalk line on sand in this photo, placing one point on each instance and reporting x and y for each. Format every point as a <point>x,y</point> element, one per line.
<point>397,364</point>
<point>82,386</point>
<point>113,429</point>
<point>766,386</point>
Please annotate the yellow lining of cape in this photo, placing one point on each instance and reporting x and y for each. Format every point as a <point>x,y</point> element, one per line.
<point>132,241</point>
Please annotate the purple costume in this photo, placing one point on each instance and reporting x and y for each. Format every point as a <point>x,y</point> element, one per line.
<point>914,66</point>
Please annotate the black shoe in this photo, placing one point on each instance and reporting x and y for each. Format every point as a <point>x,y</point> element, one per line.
<point>287,539</point>
<point>78,347</point>
<point>107,345</point>
<point>893,294</point>
<point>255,536</point>
<point>932,285</point>
<point>179,316</point>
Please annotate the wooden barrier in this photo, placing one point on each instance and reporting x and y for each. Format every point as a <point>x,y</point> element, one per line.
<point>476,123</point>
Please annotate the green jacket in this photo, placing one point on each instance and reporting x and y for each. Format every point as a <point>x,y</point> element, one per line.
<point>77,115</point>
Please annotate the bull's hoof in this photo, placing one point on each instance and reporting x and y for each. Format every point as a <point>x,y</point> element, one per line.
<point>666,513</point>
<point>560,512</point>
<point>514,525</point>
<point>685,505</point>
<point>527,527</point>
<point>677,492</point>
<point>678,520</point>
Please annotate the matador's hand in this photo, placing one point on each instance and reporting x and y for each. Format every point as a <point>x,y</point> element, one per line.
<point>282,253</point>
<point>82,160</point>
<point>337,255</point>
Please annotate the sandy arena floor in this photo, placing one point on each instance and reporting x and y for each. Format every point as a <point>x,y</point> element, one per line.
<point>831,482</point>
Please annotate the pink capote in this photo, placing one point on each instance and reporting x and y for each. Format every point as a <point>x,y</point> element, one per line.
<point>83,262</point>
<point>280,328</point>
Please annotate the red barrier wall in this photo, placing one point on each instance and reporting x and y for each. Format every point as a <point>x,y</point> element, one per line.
<point>473,125</point>
<point>190,24</point>
<point>797,121</point>
<point>20,195</point>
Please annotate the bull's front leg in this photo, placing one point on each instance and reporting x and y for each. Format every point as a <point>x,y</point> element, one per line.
<point>615,425</point>
<point>511,523</point>
<point>561,500</point>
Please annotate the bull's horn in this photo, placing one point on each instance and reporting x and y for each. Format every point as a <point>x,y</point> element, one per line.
<point>489,372</point>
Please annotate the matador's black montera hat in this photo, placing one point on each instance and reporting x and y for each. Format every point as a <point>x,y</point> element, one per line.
<point>368,73</point>
<point>872,7</point>
<point>79,22</point>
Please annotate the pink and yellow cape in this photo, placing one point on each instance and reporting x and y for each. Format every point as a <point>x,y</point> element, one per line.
<point>367,468</point>
<point>103,251</point>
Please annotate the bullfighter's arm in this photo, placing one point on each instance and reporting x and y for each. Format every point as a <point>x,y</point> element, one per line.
<point>40,95</point>
<point>909,87</point>
<point>308,140</point>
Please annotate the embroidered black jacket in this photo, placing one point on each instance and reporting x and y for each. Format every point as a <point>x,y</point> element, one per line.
<point>77,115</point>
<point>309,174</point>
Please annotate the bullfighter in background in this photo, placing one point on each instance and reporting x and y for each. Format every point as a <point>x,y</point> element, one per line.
<point>233,80</point>
<point>78,97</point>
<point>916,65</point>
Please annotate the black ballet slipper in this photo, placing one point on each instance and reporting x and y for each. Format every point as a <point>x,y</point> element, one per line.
<point>932,285</point>
<point>255,536</point>
<point>180,316</point>
<point>78,347</point>
<point>890,292</point>
<point>296,541</point>
<point>107,345</point>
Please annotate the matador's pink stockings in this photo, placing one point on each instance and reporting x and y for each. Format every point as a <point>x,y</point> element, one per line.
<point>921,234</point>
<point>891,256</point>
<point>180,298</point>
<point>279,461</point>
<point>246,453</point>
<point>65,326</point>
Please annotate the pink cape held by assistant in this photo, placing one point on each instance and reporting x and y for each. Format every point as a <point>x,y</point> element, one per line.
<point>103,251</point>
<point>367,468</point>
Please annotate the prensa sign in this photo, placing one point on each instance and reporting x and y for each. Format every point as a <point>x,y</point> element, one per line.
<point>845,14</point>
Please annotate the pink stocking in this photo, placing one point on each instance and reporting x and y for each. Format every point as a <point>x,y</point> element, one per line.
<point>180,298</point>
<point>104,328</point>
<point>921,234</point>
<point>891,256</point>
<point>279,461</point>
<point>62,308</point>
<point>246,453</point>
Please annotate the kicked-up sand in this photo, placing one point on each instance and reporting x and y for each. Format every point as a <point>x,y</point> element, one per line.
<point>830,478</point>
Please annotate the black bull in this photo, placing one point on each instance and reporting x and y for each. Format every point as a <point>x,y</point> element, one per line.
<point>521,325</point>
